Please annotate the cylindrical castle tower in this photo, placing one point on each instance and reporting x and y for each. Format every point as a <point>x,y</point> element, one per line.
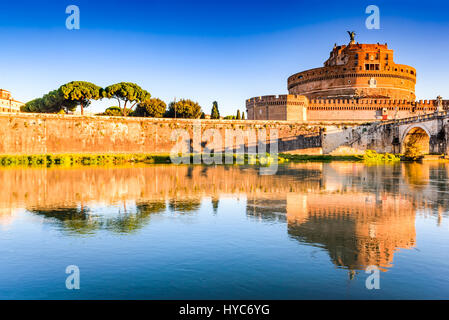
<point>357,71</point>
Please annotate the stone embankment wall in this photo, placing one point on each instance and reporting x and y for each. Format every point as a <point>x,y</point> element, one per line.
<point>49,133</point>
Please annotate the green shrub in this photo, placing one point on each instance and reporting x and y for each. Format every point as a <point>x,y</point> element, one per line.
<point>373,156</point>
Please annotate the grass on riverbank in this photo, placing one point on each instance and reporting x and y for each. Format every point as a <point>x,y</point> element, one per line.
<point>320,157</point>
<point>80,159</point>
<point>117,159</point>
<point>69,160</point>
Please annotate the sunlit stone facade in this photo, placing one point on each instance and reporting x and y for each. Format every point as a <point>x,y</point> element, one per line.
<point>7,103</point>
<point>357,71</point>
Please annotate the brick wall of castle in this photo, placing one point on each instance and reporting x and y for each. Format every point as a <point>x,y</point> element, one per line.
<point>338,109</point>
<point>282,107</point>
<point>368,109</point>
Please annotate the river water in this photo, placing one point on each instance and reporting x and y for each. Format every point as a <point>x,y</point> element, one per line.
<point>203,232</point>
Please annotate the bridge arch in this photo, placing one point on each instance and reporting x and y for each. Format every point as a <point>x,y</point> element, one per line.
<point>416,140</point>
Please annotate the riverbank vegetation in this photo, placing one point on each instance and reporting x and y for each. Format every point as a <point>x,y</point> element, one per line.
<point>125,158</point>
<point>116,159</point>
<point>373,156</point>
<point>80,159</point>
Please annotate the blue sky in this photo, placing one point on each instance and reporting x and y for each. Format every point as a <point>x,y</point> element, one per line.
<point>208,50</point>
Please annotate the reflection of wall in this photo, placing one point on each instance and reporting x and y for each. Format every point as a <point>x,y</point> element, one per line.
<point>6,216</point>
<point>42,187</point>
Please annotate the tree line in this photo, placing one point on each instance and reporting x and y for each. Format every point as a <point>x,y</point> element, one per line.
<point>132,100</point>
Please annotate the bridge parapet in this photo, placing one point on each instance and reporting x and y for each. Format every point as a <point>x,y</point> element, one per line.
<point>419,118</point>
<point>391,135</point>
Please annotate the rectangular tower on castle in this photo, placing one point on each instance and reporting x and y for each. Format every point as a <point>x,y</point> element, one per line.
<point>282,107</point>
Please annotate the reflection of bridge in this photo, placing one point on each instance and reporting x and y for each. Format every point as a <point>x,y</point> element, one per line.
<point>430,131</point>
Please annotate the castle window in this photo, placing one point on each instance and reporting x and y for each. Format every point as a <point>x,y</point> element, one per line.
<point>386,56</point>
<point>412,72</point>
<point>372,66</point>
<point>367,56</point>
<point>356,55</point>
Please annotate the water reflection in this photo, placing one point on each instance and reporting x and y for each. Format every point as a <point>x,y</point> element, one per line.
<point>366,234</point>
<point>82,220</point>
<point>361,215</point>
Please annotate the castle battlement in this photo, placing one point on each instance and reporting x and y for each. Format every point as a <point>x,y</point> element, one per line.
<point>287,107</point>
<point>380,103</point>
<point>273,98</point>
<point>280,107</point>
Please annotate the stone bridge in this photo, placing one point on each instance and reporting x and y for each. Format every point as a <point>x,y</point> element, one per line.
<point>430,132</point>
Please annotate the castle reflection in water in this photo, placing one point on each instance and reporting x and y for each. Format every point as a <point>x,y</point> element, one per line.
<point>361,215</point>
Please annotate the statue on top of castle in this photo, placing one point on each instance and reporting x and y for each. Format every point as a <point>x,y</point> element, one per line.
<point>352,35</point>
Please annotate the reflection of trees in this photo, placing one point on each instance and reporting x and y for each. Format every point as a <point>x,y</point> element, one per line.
<point>215,203</point>
<point>77,220</point>
<point>131,222</point>
<point>184,206</point>
<point>82,221</point>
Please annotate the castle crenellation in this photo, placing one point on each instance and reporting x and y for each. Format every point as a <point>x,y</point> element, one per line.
<point>297,107</point>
